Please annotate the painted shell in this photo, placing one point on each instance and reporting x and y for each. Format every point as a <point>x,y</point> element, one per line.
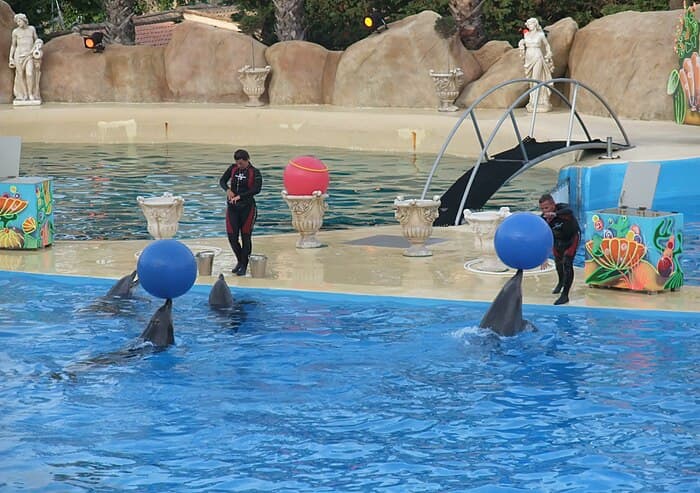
<point>29,225</point>
<point>664,266</point>
<point>11,205</point>
<point>618,253</point>
<point>11,238</point>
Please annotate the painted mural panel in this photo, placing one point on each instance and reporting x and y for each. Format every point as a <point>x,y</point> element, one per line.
<point>637,252</point>
<point>26,213</point>
<point>684,82</point>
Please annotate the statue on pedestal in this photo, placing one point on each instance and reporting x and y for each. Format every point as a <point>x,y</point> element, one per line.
<point>538,64</point>
<point>26,52</point>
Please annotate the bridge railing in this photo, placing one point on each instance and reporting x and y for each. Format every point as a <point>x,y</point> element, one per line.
<point>535,85</point>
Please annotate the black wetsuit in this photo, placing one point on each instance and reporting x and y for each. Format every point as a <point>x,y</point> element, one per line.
<point>240,216</point>
<point>567,234</point>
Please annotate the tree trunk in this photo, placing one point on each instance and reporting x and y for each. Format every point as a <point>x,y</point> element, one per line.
<point>119,23</point>
<point>467,14</point>
<point>289,20</point>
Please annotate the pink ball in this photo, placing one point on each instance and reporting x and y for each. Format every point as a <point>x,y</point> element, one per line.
<point>305,175</point>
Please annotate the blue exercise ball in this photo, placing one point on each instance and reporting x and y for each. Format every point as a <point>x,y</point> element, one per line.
<point>523,240</point>
<point>166,269</point>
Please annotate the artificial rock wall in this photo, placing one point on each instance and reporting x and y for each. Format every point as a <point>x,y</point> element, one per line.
<point>626,57</point>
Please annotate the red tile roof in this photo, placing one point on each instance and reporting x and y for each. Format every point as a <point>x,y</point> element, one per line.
<point>158,34</point>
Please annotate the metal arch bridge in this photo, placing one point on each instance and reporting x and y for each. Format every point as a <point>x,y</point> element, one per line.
<point>489,173</point>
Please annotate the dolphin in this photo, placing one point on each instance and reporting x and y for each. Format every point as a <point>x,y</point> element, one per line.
<point>220,294</point>
<point>159,330</point>
<point>117,298</point>
<point>124,287</point>
<point>156,337</point>
<point>505,315</point>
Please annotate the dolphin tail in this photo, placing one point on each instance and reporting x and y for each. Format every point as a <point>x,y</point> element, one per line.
<point>505,315</point>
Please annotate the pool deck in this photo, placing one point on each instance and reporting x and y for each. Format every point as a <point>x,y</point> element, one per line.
<point>360,260</point>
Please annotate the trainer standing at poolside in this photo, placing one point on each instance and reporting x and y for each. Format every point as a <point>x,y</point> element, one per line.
<point>241,181</point>
<point>566,233</point>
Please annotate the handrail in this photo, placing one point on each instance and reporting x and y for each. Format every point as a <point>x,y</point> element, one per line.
<point>468,112</point>
<point>535,86</point>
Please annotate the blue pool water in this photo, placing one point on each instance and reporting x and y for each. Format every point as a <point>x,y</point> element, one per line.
<point>295,392</point>
<point>95,186</point>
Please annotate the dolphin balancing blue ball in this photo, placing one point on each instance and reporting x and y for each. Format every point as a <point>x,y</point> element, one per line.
<point>167,269</point>
<point>523,240</point>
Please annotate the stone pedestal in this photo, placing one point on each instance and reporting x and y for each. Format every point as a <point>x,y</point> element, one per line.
<point>26,102</point>
<point>253,80</point>
<point>484,225</point>
<point>162,214</point>
<point>307,216</point>
<point>447,86</point>
<point>416,217</point>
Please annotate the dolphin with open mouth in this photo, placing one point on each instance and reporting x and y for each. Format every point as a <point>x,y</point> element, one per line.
<point>124,287</point>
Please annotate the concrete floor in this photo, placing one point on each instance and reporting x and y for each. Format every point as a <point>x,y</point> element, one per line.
<point>347,267</point>
<point>371,267</point>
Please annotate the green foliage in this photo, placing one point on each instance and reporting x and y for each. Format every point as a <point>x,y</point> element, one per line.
<point>639,5</point>
<point>43,15</point>
<point>334,24</point>
<point>505,18</point>
<point>446,27</point>
<point>257,18</point>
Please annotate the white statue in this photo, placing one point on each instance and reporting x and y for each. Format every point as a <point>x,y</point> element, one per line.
<point>537,55</point>
<point>26,52</point>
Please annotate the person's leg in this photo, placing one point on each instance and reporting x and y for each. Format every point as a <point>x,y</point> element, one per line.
<point>246,239</point>
<point>559,264</point>
<point>568,270</point>
<point>232,232</point>
<point>29,79</point>
<point>248,220</point>
<point>568,280</point>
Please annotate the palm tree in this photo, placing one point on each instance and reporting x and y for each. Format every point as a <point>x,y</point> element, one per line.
<point>468,15</point>
<point>119,23</point>
<point>289,16</point>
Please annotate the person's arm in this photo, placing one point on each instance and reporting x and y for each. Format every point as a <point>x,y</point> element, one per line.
<point>548,53</point>
<point>225,178</point>
<point>257,185</point>
<point>13,47</point>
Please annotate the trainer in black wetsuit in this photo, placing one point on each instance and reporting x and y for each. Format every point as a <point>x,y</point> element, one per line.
<point>242,181</point>
<point>567,234</point>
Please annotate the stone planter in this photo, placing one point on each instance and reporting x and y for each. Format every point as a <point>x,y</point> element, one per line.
<point>253,80</point>
<point>484,225</point>
<point>447,86</point>
<point>416,217</point>
<point>307,216</point>
<point>162,214</point>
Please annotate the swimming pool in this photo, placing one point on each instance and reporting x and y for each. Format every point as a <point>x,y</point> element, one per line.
<point>95,186</point>
<point>299,392</point>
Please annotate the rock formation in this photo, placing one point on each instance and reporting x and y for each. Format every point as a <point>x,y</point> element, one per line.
<point>625,57</point>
